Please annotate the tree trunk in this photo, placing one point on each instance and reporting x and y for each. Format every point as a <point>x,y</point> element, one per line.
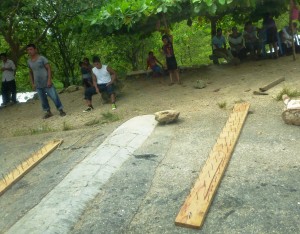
<point>292,7</point>
<point>134,59</point>
<point>213,26</point>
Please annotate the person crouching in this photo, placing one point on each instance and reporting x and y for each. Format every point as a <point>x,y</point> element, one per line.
<point>103,79</point>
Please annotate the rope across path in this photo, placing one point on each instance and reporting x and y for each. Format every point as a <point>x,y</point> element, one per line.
<point>61,208</point>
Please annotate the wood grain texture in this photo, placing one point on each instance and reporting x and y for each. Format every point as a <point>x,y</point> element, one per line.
<point>20,170</point>
<point>196,205</point>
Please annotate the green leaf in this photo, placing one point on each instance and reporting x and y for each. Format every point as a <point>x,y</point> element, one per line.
<point>208,2</point>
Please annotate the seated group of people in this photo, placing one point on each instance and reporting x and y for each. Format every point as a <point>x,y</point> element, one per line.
<point>237,46</point>
<point>253,41</point>
<point>288,35</point>
<point>97,79</point>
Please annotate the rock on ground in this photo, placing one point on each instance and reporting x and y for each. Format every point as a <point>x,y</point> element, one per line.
<point>166,116</point>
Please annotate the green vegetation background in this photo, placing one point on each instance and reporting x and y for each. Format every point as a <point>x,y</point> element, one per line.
<point>192,45</point>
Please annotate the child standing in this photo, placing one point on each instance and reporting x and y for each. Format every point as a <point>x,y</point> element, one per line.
<point>170,58</point>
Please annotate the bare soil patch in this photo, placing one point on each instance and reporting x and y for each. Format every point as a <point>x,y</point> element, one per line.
<point>141,95</point>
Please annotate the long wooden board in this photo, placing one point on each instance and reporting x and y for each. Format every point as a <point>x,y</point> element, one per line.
<point>140,72</point>
<point>20,170</point>
<point>271,85</point>
<point>196,205</point>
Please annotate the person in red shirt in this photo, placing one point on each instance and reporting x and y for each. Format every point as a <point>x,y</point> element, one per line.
<point>152,63</point>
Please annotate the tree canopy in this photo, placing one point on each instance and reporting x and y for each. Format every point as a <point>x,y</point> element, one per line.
<point>25,21</point>
<point>149,15</point>
<point>66,30</point>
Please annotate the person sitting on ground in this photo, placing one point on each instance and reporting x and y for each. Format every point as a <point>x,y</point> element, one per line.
<point>171,62</point>
<point>236,42</point>
<point>219,45</point>
<point>252,42</point>
<point>152,62</point>
<point>288,35</point>
<point>8,88</point>
<point>103,80</point>
<point>86,71</point>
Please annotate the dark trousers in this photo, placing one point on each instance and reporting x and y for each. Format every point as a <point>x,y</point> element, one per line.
<point>89,92</point>
<point>9,91</point>
<point>242,54</point>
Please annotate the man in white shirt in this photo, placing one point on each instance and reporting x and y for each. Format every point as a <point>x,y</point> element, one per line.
<point>252,42</point>
<point>8,88</point>
<point>103,79</point>
<point>236,42</point>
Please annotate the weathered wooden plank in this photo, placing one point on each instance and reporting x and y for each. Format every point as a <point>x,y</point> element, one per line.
<point>20,170</point>
<point>140,72</point>
<point>259,93</point>
<point>195,207</point>
<point>271,85</point>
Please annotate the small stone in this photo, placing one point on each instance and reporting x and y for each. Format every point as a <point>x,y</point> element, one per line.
<point>166,116</point>
<point>200,84</point>
<point>71,88</point>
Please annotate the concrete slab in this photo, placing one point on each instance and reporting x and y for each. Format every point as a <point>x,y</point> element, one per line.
<point>61,208</point>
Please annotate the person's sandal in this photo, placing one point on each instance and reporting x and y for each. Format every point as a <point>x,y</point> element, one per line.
<point>47,115</point>
<point>113,106</point>
<point>89,109</point>
<point>62,113</point>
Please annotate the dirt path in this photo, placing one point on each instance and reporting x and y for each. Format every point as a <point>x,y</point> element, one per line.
<point>145,95</point>
<point>264,143</point>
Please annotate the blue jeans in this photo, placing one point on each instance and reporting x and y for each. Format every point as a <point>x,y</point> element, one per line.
<point>51,92</point>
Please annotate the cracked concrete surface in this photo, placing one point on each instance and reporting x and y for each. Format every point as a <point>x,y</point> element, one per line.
<point>60,209</point>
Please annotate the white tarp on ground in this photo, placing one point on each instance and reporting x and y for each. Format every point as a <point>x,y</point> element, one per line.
<point>22,97</point>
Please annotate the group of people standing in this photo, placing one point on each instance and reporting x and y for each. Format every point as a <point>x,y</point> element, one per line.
<point>253,41</point>
<point>40,77</point>
<point>100,78</point>
<point>96,79</point>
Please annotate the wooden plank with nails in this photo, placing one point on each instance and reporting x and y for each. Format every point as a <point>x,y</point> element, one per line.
<point>196,205</point>
<point>15,175</point>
